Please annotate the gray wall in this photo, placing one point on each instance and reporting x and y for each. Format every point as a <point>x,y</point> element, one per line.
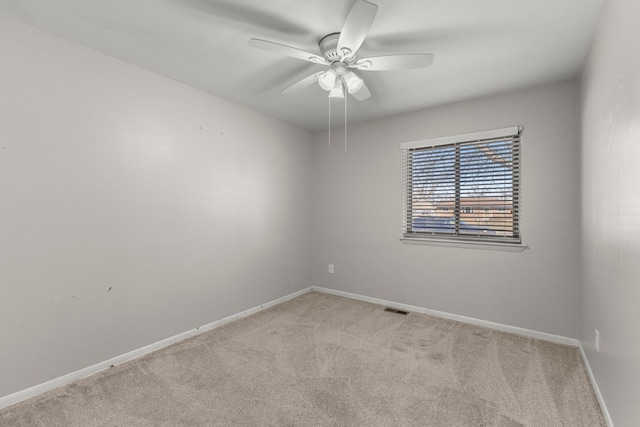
<point>188,207</point>
<point>610,293</point>
<point>357,215</point>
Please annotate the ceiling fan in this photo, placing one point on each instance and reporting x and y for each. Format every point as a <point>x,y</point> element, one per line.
<point>339,52</point>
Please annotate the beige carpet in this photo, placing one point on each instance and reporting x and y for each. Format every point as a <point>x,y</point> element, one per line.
<point>321,360</point>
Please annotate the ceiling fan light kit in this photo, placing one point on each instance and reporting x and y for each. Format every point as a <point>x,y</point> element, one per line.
<point>339,73</point>
<point>339,52</point>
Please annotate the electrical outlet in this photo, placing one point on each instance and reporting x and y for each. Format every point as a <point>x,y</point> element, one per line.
<point>597,341</point>
<point>331,268</point>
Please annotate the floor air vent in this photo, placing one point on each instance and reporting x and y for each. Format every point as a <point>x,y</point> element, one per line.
<point>393,310</point>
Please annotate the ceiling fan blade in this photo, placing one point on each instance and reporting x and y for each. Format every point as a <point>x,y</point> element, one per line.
<point>394,62</point>
<point>356,27</point>
<point>307,81</point>
<point>288,50</point>
<point>362,94</point>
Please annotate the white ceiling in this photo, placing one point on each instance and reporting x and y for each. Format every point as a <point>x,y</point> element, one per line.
<point>481,46</point>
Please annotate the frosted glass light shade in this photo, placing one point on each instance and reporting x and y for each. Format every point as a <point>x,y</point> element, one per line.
<point>338,90</point>
<point>327,81</point>
<point>353,82</point>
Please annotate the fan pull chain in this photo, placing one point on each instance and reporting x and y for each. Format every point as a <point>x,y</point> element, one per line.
<point>329,121</point>
<point>346,95</point>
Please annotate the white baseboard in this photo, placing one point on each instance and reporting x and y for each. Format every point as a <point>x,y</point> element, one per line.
<point>492,325</point>
<point>91,370</point>
<point>118,360</point>
<point>596,389</point>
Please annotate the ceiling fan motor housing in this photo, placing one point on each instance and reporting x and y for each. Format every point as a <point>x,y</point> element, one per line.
<point>329,48</point>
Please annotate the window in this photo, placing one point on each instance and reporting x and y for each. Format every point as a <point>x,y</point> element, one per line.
<point>470,183</point>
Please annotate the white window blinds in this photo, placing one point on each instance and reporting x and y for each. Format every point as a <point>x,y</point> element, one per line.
<point>464,187</point>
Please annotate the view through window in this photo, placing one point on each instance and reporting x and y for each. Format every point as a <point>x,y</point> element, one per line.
<point>464,190</point>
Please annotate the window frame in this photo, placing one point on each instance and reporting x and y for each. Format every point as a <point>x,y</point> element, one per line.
<point>457,238</point>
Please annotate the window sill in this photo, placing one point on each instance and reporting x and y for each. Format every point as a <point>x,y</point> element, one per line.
<point>504,247</point>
